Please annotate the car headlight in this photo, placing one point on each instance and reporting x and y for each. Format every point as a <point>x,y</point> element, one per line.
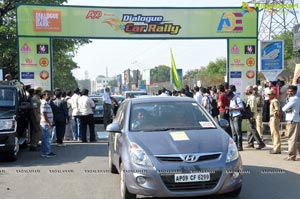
<point>7,124</point>
<point>232,153</point>
<point>138,156</point>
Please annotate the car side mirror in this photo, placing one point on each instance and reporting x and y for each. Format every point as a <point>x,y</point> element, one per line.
<point>113,128</point>
<point>223,123</point>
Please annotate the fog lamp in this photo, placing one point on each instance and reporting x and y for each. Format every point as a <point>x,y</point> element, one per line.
<point>235,174</point>
<point>141,180</point>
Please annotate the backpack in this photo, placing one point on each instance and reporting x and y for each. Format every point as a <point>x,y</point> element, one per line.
<point>246,111</point>
<point>214,108</point>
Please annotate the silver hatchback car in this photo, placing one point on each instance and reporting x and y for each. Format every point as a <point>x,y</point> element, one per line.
<point>171,147</point>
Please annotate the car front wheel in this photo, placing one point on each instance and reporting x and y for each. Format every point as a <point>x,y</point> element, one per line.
<point>111,166</point>
<point>125,194</point>
<point>13,154</point>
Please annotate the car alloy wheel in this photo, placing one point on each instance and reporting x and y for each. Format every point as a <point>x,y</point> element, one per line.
<point>125,194</point>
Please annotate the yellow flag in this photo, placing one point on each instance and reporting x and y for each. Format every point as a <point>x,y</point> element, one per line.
<point>175,76</point>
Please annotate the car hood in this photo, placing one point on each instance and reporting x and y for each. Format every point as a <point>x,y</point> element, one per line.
<point>180,142</point>
<point>6,113</point>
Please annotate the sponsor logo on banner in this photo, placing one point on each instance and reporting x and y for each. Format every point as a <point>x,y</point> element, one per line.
<point>235,49</point>
<point>250,74</point>
<point>44,62</point>
<point>41,49</point>
<point>94,14</point>
<point>237,62</point>
<point>27,75</point>
<point>28,62</point>
<point>250,49</point>
<point>250,61</point>
<point>231,22</point>
<point>47,21</point>
<point>44,75</point>
<point>25,48</point>
<point>235,74</point>
<point>142,24</point>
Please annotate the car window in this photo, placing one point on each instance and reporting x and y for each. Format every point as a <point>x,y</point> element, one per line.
<point>120,117</point>
<point>168,115</point>
<point>7,97</point>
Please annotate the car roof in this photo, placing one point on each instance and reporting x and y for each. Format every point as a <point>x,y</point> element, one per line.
<point>150,98</point>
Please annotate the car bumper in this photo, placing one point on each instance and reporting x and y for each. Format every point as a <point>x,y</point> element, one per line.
<point>161,184</point>
<point>7,141</point>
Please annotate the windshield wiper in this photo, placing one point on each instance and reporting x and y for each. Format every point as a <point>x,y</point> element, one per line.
<point>167,129</point>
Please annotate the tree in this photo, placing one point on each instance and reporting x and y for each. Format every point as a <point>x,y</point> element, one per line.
<point>63,52</point>
<point>212,74</point>
<point>160,73</point>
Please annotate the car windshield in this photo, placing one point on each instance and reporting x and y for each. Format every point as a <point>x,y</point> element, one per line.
<point>133,95</point>
<point>7,97</point>
<point>165,116</point>
<point>97,100</point>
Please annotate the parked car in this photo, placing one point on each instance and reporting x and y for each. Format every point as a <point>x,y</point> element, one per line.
<point>13,119</point>
<point>133,94</point>
<point>98,111</point>
<point>119,98</point>
<point>171,147</point>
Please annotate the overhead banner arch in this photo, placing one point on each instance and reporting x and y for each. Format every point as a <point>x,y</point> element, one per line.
<point>42,21</point>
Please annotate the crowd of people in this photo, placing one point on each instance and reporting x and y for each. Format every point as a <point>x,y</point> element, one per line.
<point>62,116</point>
<point>273,103</point>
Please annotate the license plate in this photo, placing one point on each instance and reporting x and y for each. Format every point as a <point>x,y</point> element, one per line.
<point>192,177</point>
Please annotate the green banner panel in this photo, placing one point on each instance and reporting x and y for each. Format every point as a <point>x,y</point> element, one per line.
<point>242,62</point>
<point>118,22</point>
<point>35,62</point>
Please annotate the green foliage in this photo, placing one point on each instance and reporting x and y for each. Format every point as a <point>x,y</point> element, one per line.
<point>217,67</point>
<point>160,73</point>
<point>212,74</point>
<point>63,53</point>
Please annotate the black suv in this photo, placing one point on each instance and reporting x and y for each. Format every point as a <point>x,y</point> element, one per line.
<point>14,110</point>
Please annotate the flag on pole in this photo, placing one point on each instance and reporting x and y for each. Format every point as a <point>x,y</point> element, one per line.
<point>175,76</point>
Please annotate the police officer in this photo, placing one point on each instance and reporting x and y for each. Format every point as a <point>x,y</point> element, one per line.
<point>274,122</point>
<point>35,117</point>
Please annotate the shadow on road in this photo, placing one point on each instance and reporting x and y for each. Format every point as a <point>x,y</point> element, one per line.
<point>71,153</point>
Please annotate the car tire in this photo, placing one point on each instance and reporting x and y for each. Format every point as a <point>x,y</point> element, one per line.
<point>125,194</point>
<point>111,166</point>
<point>234,193</point>
<point>13,154</point>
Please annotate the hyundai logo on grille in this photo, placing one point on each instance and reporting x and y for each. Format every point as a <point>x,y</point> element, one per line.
<point>190,158</point>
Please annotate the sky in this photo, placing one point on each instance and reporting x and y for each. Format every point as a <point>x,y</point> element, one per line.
<point>112,57</point>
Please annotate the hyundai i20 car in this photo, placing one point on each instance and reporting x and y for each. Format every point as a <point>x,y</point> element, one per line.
<point>171,147</point>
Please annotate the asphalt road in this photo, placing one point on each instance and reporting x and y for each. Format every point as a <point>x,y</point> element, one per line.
<point>80,171</point>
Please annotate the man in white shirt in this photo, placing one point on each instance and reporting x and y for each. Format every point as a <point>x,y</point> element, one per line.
<point>293,122</point>
<point>76,114</point>
<point>198,95</point>
<point>86,107</point>
<point>107,107</point>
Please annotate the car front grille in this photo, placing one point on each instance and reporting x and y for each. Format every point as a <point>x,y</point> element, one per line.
<point>180,158</point>
<point>169,181</point>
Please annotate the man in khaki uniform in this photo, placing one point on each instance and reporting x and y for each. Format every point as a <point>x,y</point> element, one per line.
<point>35,117</point>
<point>258,116</point>
<point>274,122</point>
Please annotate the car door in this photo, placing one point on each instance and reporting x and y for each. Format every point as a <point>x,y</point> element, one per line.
<point>115,137</point>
